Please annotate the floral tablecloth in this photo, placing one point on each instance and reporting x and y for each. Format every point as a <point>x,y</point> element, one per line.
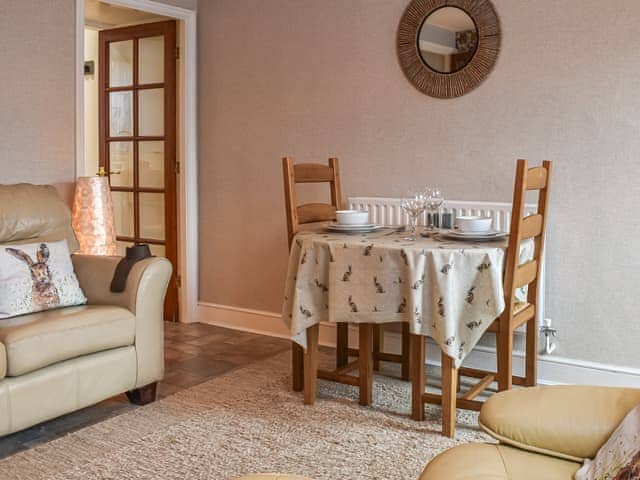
<point>448,290</point>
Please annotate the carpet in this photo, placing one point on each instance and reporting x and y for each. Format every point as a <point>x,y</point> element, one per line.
<point>249,421</point>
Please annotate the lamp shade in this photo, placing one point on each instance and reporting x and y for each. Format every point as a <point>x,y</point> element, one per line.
<point>93,216</point>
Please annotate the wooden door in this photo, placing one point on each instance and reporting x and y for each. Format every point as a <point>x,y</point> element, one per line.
<point>137,123</point>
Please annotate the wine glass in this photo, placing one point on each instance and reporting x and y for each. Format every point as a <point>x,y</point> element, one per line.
<point>413,203</point>
<point>433,202</point>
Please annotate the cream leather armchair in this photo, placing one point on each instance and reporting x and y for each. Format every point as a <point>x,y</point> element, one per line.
<point>58,361</point>
<point>543,433</point>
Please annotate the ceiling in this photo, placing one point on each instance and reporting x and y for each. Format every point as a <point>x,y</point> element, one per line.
<point>451,18</point>
<point>100,15</point>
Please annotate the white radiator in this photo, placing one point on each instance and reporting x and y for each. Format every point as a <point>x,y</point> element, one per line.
<point>387,211</point>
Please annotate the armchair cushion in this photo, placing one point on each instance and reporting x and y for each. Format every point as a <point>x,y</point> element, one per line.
<point>40,339</point>
<point>34,213</point>
<point>565,421</point>
<point>619,457</point>
<point>479,461</point>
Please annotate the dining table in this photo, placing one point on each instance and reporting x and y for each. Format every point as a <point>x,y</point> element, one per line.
<point>449,290</point>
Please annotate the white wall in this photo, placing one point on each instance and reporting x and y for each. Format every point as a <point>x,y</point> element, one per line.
<point>314,79</point>
<point>91,139</point>
<point>187,4</point>
<point>37,98</point>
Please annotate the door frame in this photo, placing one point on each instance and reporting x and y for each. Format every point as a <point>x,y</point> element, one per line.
<point>187,140</point>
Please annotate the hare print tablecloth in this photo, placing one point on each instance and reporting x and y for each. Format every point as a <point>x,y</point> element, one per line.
<point>450,291</point>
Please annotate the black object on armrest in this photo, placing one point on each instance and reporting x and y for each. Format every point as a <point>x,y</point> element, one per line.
<point>134,254</point>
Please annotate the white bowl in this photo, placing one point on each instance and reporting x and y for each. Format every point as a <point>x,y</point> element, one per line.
<point>474,224</point>
<point>352,217</point>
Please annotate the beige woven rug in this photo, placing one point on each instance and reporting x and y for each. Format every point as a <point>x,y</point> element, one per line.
<point>249,421</point>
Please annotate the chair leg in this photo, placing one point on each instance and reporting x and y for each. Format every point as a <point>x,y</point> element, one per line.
<point>505,359</point>
<point>449,382</point>
<point>417,376</point>
<point>365,359</point>
<point>406,355</point>
<point>311,365</point>
<point>342,345</point>
<point>297,364</point>
<point>531,354</point>
<point>378,345</point>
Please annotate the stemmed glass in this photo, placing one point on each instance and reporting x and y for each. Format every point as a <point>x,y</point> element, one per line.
<point>413,203</point>
<point>433,202</point>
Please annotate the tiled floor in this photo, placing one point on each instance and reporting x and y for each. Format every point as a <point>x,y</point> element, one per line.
<point>194,353</point>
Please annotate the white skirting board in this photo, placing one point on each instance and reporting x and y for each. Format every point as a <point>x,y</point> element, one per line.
<point>551,369</point>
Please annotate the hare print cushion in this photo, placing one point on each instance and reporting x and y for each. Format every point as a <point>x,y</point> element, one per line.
<point>619,457</point>
<point>36,277</point>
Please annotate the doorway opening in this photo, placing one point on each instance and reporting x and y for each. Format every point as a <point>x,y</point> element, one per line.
<point>137,128</point>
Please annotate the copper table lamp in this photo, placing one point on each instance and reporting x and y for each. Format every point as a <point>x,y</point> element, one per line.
<point>93,216</point>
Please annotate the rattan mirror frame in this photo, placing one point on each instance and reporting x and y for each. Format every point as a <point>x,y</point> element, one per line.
<point>455,84</point>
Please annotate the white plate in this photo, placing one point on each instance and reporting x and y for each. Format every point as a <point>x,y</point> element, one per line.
<point>456,235</point>
<point>334,227</point>
<point>461,233</point>
<point>343,226</point>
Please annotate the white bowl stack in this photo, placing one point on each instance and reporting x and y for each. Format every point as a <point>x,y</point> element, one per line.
<point>474,224</point>
<point>352,217</point>
<point>352,221</point>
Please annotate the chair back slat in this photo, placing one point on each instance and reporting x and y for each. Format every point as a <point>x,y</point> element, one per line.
<point>525,274</point>
<point>537,178</point>
<point>533,226</point>
<point>310,173</point>
<point>524,315</point>
<point>315,212</point>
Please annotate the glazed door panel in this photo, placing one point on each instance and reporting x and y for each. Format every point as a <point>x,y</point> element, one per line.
<point>137,75</point>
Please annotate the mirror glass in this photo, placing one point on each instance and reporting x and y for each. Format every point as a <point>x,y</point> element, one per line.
<point>447,40</point>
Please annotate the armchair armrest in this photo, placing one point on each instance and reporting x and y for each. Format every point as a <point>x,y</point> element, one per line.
<point>3,361</point>
<point>143,296</point>
<point>96,272</point>
<point>565,421</point>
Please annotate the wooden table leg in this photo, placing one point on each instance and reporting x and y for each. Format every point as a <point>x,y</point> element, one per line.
<point>378,345</point>
<point>449,382</point>
<point>406,355</point>
<point>297,366</point>
<point>366,363</point>
<point>311,365</point>
<point>417,376</point>
<point>342,344</point>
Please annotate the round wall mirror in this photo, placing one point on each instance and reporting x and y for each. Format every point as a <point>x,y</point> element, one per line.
<point>447,48</point>
<point>447,40</point>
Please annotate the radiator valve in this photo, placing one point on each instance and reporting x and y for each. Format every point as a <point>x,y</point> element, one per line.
<point>549,333</point>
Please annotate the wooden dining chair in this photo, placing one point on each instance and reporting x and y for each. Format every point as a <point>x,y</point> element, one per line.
<point>369,334</point>
<point>515,314</point>
<point>310,213</point>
